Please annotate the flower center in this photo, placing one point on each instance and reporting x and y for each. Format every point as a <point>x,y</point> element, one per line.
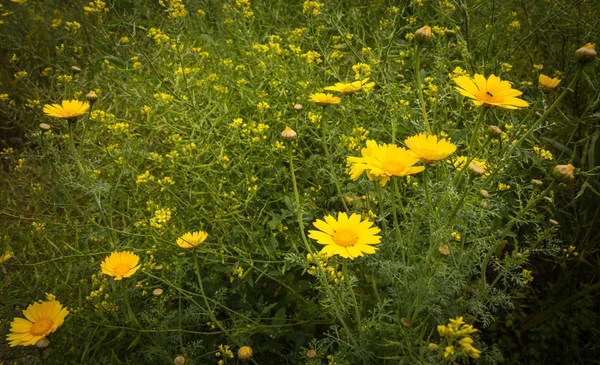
<point>489,96</point>
<point>121,269</point>
<point>345,238</point>
<point>393,167</point>
<point>41,327</point>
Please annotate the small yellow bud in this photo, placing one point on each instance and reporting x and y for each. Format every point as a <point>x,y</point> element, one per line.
<point>475,170</point>
<point>92,97</point>
<point>563,173</point>
<point>494,131</point>
<point>288,134</point>
<point>245,353</point>
<point>586,53</point>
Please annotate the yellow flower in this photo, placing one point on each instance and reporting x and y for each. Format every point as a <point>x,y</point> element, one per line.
<point>459,164</point>
<point>352,87</point>
<point>68,110</point>
<point>384,161</point>
<point>43,318</point>
<point>547,83</point>
<point>120,264</point>
<point>429,148</point>
<point>347,237</point>
<point>490,92</point>
<point>7,255</point>
<point>449,350</point>
<point>324,99</point>
<point>191,239</point>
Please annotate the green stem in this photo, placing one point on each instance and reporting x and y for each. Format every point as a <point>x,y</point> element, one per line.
<point>476,132</point>
<point>323,275</point>
<point>419,89</point>
<point>329,159</point>
<point>74,149</point>
<point>349,285</point>
<point>396,225</point>
<point>209,310</point>
<point>460,201</point>
<point>380,203</point>
<point>426,183</point>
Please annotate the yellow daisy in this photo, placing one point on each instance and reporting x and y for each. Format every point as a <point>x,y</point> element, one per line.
<point>324,99</point>
<point>120,264</point>
<point>68,110</point>
<point>490,92</point>
<point>352,87</point>
<point>547,83</point>
<point>347,237</point>
<point>42,319</point>
<point>191,239</point>
<point>429,148</point>
<point>381,162</point>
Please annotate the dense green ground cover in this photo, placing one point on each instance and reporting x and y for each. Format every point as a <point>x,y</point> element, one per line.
<point>186,136</point>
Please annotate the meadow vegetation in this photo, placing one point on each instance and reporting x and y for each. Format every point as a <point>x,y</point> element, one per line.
<point>299,182</point>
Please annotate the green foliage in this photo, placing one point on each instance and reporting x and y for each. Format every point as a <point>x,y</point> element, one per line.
<point>186,137</point>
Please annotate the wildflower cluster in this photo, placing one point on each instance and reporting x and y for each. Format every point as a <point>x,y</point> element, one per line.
<point>458,333</point>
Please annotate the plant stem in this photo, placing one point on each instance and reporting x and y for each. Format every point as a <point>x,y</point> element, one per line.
<point>476,132</point>
<point>426,183</point>
<point>349,285</point>
<point>209,310</point>
<point>460,201</point>
<point>419,88</point>
<point>396,225</point>
<point>323,275</point>
<point>329,160</point>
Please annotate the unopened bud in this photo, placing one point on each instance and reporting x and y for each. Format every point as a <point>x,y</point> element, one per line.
<point>42,343</point>
<point>494,131</point>
<point>433,347</point>
<point>288,134</point>
<point>423,34</point>
<point>405,322</point>
<point>157,292</point>
<point>92,97</point>
<point>444,250</point>
<point>537,182</point>
<point>484,193</point>
<point>298,107</point>
<point>450,33</point>
<point>75,69</point>
<point>45,126</point>
<point>563,173</point>
<point>179,360</point>
<point>311,354</point>
<point>475,170</point>
<point>586,53</point>
<point>245,353</point>
<point>554,221</point>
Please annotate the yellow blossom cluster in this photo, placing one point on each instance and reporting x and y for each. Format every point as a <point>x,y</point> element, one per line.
<point>544,154</point>
<point>96,6</point>
<point>354,141</point>
<point>455,329</point>
<point>334,276</point>
<point>312,7</point>
<point>175,8</point>
<point>158,36</point>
